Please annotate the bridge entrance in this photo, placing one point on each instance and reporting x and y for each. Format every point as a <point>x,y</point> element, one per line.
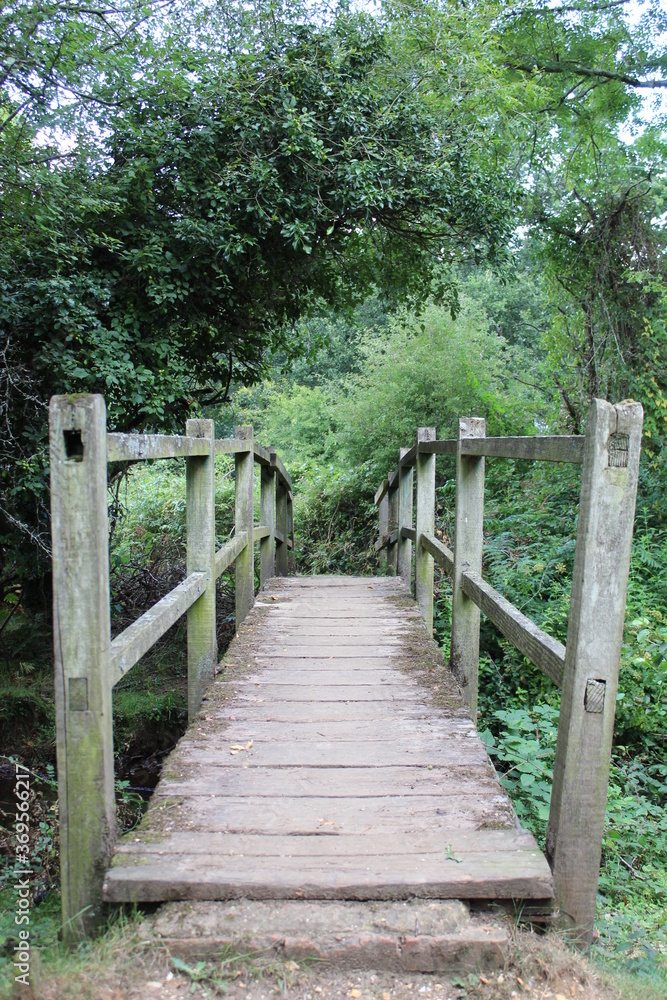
<point>333,758</point>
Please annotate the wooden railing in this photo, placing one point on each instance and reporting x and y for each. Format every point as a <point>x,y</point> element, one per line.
<point>87,662</point>
<point>587,668</point>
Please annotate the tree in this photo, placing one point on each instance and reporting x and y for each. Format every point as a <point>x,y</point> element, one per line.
<point>218,204</point>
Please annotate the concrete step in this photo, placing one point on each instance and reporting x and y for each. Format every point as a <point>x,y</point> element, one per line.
<point>412,936</point>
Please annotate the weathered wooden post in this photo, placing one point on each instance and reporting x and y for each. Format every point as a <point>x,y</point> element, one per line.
<point>392,547</point>
<point>281,523</point>
<point>84,732</point>
<point>592,660</point>
<point>383,518</point>
<point>468,538</point>
<point>245,562</point>
<point>290,523</point>
<point>405,478</point>
<point>425,525</point>
<point>200,558</point>
<point>267,546</point>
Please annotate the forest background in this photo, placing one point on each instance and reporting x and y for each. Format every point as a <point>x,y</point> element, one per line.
<point>338,222</point>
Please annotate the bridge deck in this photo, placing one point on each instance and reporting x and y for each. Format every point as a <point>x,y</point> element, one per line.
<point>333,759</point>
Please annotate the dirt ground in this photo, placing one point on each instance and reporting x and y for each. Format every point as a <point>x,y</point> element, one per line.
<point>539,967</point>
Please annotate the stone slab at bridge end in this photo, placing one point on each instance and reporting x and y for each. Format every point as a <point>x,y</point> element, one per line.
<point>333,766</point>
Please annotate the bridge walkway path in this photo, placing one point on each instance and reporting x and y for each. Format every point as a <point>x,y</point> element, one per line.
<point>333,758</point>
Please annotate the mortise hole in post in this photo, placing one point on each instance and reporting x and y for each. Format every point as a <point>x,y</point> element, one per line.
<point>618,451</point>
<point>78,694</point>
<point>73,446</point>
<point>594,697</point>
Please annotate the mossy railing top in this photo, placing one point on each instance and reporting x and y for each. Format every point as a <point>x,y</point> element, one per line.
<point>87,662</point>
<point>587,667</point>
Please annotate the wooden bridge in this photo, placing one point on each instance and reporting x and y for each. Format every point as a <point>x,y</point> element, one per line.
<point>333,754</point>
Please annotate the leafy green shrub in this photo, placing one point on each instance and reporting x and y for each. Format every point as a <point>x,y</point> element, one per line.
<point>335,520</point>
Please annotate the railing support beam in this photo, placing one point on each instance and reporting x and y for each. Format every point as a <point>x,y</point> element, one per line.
<point>592,659</point>
<point>84,733</point>
<point>425,525</point>
<point>468,536</point>
<point>200,527</point>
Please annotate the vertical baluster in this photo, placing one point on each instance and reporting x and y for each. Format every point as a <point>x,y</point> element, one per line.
<point>425,526</point>
<point>245,561</point>
<point>468,538</point>
<point>200,526</point>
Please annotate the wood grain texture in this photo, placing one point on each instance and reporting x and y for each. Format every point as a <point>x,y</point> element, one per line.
<point>128,647</point>
<point>594,637</point>
<point>541,649</point>
<point>227,553</point>
<point>81,632</point>
<point>442,555</point>
<point>330,767</point>
<point>425,525</point>
<point>137,447</point>
<point>200,558</point>
<point>556,448</point>
<point>468,536</point>
<point>244,567</point>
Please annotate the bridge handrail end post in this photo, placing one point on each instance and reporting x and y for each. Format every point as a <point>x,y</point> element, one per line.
<point>592,660</point>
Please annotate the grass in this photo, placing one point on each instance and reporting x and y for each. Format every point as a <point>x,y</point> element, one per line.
<point>125,957</point>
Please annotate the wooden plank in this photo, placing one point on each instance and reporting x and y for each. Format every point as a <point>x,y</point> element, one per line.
<point>332,650</point>
<point>312,676</point>
<point>138,447</point>
<point>318,753</point>
<point>332,692</point>
<point>308,815</point>
<point>339,845</point>
<point>541,649</point>
<point>228,552</point>
<point>442,555</point>
<point>382,542</point>
<point>345,730</point>
<point>280,710</point>
<point>468,538</point>
<point>128,647</point>
<point>260,531</point>
<point>244,570</point>
<point>454,780</point>
<point>409,459</point>
<point>592,661</point>
<point>409,533</point>
<point>200,558</point>
<point>499,875</point>
<point>81,638</point>
<point>556,448</point>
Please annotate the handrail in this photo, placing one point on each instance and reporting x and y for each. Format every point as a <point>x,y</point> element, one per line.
<point>225,556</point>
<point>587,668</point>
<point>88,663</point>
<point>128,647</point>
